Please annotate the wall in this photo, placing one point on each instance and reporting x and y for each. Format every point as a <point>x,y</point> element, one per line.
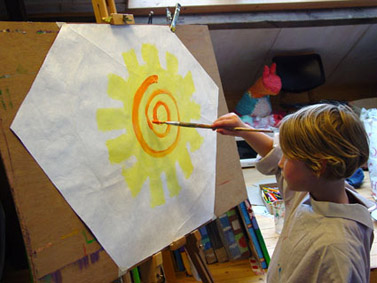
<point>348,53</point>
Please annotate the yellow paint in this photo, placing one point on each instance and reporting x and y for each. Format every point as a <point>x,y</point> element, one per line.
<point>151,93</point>
<point>73,233</point>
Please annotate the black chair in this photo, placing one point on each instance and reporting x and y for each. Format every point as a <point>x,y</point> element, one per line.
<point>300,73</point>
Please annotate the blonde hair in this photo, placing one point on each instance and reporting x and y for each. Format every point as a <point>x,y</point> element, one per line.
<point>330,139</point>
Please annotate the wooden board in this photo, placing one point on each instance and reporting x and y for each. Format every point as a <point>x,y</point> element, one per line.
<point>143,7</point>
<point>58,244</point>
<point>230,185</point>
<point>241,57</point>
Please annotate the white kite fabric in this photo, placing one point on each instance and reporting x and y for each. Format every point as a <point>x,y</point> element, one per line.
<point>88,122</point>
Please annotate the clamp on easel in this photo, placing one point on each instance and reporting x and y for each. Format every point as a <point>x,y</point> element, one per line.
<point>106,13</point>
<point>175,17</point>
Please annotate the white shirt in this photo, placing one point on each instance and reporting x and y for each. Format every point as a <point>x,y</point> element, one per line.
<point>320,241</point>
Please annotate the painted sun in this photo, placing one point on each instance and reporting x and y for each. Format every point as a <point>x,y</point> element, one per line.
<point>151,93</point>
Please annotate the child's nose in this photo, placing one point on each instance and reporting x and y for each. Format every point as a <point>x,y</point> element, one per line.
<point>281,162</point>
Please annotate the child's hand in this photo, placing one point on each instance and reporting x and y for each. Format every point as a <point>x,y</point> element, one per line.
<point>227,121</point>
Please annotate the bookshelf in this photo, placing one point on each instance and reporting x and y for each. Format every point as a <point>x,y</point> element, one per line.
<point>266,224</point>
<point>240,270</point>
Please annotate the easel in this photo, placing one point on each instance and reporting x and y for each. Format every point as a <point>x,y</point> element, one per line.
<point>81,257</point>
<point>159,266</point>
<point>106,13</point>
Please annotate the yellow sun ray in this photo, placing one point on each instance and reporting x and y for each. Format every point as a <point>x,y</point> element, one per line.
<point>151,93</point>
<point>111,119</point>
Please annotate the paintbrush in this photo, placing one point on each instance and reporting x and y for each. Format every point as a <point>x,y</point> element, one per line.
<point>207,126</point>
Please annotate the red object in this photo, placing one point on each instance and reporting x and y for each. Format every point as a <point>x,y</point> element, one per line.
<point>270,80</point>
<point>268,84</point>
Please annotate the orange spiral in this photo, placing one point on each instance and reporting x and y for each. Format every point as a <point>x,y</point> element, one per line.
<point>136,122</point>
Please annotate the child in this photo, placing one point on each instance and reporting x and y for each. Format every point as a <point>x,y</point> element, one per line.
<point>328,231</point>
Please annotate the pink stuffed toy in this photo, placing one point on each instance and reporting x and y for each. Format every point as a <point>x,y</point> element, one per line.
<point>255,101</point>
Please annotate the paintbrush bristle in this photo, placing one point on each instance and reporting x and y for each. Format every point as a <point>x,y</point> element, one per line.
<point>158,122</point>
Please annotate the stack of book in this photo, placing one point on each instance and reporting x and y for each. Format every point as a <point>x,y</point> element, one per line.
<point>234,235</point>
<point>255,236</point>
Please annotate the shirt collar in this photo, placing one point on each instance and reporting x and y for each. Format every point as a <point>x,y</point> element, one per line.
<point>353,211</point>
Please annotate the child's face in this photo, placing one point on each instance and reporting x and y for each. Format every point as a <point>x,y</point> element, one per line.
<point>297,175</point>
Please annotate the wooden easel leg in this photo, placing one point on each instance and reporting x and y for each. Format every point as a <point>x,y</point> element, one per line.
<point>100,10</point>
<point>127,277</point>
<point>150,271</point>
<point>168,266</point>
<point>192,247</point>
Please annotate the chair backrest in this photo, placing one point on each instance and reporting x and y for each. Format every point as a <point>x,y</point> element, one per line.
<point>301,72</point>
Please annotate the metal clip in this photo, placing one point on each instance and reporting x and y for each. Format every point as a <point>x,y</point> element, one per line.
<point>168,16</point>
<point>175,17</point>
<point>150,17</point>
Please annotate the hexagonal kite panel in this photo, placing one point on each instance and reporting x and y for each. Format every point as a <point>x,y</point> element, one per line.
<point>87,121</point>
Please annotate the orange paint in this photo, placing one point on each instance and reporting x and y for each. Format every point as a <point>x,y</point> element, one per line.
<point>135,117</point>
<point>155,110</point>
<point>43,248</point>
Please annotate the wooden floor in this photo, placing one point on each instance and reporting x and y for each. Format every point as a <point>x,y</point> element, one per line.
<point>238,271</point>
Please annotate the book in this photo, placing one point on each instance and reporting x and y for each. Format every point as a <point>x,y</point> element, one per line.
<point>194,272</point>
<point>209,253</point>
<point>252,235</point>
<point>178,260</point>
<point>213,234</point>
<point>239,235</point>
<point>227,236</point>
<point>186,261</point>
<point>258,232</point>
<point>135,275</point>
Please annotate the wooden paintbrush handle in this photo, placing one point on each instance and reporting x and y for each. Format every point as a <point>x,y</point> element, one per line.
<point>251,130</point>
